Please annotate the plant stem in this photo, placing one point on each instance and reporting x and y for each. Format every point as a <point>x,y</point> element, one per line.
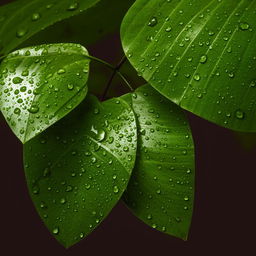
<point>101,61</point>
<point>125,80</point>
<point>116,71</point>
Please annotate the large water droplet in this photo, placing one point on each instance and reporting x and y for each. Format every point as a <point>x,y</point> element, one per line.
<point>73,6</point>
<point>21,32</point>
<point>34,109</point>
<point>152,22</point>
<point>244,26</point>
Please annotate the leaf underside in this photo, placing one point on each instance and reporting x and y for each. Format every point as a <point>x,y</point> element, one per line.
<point>86,28</point>
<point>22,19</point>
<point>40,85</point>
<point>78,169</point>
<point>201,54</point>
<point>161,189</point>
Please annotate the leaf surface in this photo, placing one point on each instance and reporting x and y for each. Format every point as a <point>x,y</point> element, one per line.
<point>77,28</point>
<point>22,19</point>
<point>40,85</point>
<point>201,54</point>
<point>78,169</point>
<point>161,189</point>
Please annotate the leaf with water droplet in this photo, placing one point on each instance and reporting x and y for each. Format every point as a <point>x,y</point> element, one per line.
<point>22,19</point>
<point>78,27</point>
<point>161,189</point>
<point>207,60</point>
<point>76,154</point>
<point>39,85</point>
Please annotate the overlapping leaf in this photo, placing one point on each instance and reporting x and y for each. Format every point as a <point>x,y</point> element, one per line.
<point>22,19</point>
<point>78,169</point>
<point>201,54</point>
<point>86,28</point>
<point>40,85</point>
<point>161,189</point>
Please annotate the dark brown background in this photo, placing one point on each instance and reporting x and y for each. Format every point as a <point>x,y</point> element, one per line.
<point>224,214</point>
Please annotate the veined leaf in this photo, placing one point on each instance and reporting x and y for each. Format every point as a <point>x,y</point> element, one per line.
<point>161,189</point>
<point>22,19</point>
<point>201,54</point>
<point>40,85</point>
<point>78,169</point>
<point>85,28</point>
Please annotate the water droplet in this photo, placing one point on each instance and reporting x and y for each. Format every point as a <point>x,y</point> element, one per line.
<point>33,109</point>
<point>244,26</point>
<point>116,189</point>
<point>154,226</point>
<point>63,200</point>
<point>17,80</point>
<point>152,22</point>
<point>56,231</point>
<point>169,29</point>
<point>21,32</point>
<point>73,6</point>
<point>240,114</point>
<point>253,84</point>
<point>197,77</point>
<point>70,87</point>
<point>35,16</point>
<point>61,71</point>
<point>17,111</point>
<point>96,111</point>
<point>203,59</point>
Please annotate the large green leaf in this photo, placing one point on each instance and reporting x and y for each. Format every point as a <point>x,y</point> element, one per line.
<point>78,169</point>
<point>86,28</point>
<point>22,19</point>
<point>161,189</point>
<point>39,85</point>
<point>201,54</point>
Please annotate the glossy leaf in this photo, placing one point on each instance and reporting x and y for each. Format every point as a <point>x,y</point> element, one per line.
<point>76,29</point>
<point>78,169</point>
<point>201,54</point>
<point>161,189</point>
<point>40,85</point>
<point>22,19</point>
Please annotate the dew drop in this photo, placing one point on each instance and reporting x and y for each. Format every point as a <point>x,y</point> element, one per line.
<point>56,231</point>
<point>21,32</point>
<point>35,16</point>
<point>17,111</point>
<point>116,189</point>
<point>240,114</point>
<point>61,71</point>
<point>203,59</point>
<point>70,87</point>
<point>169,29</point>
<point>244,26</point>
<point>152,22</point>
<point>73,6</point>
<point>33,109</point>
<point>197,77</point>
<point>17,80</point>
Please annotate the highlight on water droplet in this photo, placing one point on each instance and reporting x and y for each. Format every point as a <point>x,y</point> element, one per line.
<point>152,22</point>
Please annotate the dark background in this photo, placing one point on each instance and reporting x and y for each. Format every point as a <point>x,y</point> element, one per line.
<point>224,213</point>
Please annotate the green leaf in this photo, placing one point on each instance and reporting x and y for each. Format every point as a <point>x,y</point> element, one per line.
<point>201,54</point>
<point>78,169</point>
<point>22,19</point>
<point>76,29</point>
<point>40,85</point>
<point>161,189</point>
